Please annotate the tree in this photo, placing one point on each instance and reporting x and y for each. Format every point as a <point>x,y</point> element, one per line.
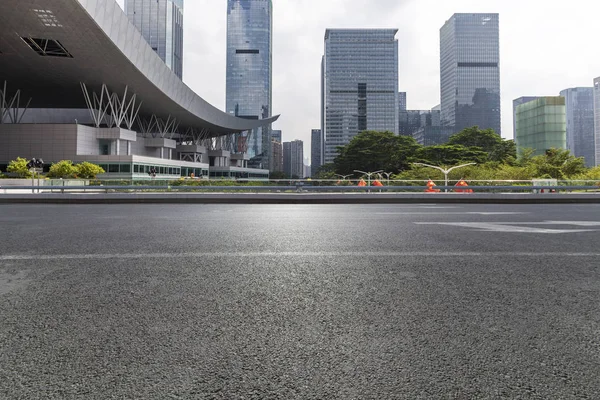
<point>325,171</point>
<point>372,151</point>
<point>63,169</point>
<point>558,164</point>
<point>488,141</point>
<point>278,175</point>
<point>87,170</point>
<point>450,155</point>
<point>19,168</point>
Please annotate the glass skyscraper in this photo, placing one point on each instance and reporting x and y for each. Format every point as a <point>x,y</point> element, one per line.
<point>360,85</point>
<point>316,151</point>
<point>579,104</point>
<point>470,72</point>
<point>161,24</point>
<point>249,73</point>
<point>597,118</point>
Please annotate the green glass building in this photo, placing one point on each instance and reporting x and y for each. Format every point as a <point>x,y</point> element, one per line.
<point>541,124</point>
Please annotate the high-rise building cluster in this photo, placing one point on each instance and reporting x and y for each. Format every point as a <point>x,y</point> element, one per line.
<point>568,121</point>
<point>359,85</point>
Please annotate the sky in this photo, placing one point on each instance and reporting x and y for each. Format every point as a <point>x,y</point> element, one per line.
<point>545,46</point>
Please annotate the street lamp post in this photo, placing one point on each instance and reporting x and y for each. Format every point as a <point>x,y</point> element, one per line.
<point>33,165</point>
<point>445,171</point>
<point>343,177</point>
<point>368,174</point>
<point>387,175</point>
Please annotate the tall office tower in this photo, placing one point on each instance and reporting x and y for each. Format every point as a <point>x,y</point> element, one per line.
<point>516,103</point>
<point>597,117</point>
<point>249,73</point>
<point>579,103</point>
<point>276,160</point>
<point>293,158</point>
<point>316,151</point>
<point>161,24</point>
<point>470,72</point>
<point>360,84</point>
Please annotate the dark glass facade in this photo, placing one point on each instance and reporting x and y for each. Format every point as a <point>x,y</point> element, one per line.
<point>597,118</point>
<point>161,23</point>
<point>402,101</point>
<point>249,74</point>
<point>579,107</point>
<point>360,85</point>
<point>316,151</point>
<point>470,72</point>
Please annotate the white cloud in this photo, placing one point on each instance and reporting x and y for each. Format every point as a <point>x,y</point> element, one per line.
<point>546,46</point>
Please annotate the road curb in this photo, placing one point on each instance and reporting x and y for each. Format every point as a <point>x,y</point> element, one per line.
<point>299,198</point>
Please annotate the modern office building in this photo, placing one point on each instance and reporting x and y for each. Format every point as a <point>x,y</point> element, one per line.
<point>360,85</point>
<point>276,135</point>
<point>402,101</point>
<point>579,106</point>
<point>470,72</point>
<point>597,117</point>
<point>316,151</point>
<point>541,125</point>
<point>161,23</point>
<point>293,159</point>
<point>249,73</point>
<point>276,160</point>
<point>516,103</point>
<point>425,126</point>
<point>97,91</point>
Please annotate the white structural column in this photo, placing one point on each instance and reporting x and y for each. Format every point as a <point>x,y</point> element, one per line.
<point>110,109</point>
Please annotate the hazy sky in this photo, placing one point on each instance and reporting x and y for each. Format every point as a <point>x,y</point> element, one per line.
<point>546,46</point>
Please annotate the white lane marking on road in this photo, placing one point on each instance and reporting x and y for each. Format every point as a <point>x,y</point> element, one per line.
<point>399,254</point>
<point>452,213</point>
<point>511,227</point>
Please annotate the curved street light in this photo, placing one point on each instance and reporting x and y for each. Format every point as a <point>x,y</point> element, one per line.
<point>387,175</point>
<point>445,171</point>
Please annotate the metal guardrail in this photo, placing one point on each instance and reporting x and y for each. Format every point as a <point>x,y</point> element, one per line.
<point>296,188</point>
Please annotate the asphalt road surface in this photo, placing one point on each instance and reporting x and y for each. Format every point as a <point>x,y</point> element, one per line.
<point>300,302</point>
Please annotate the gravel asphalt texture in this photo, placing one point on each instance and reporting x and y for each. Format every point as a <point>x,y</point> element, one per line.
<point>300,302</point>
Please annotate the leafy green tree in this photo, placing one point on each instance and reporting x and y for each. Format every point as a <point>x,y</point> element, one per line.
<point>19,168</point>
<point>488,141</point>
<point>87,170</point>
<point>558,164</point>
<point>325,171</point>
<point>278,175</point>
<point>63,169</point>
<point>450,155</point>
<point>372,151</point>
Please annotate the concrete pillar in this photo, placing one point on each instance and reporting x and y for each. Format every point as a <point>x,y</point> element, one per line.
<point>128,148</point>
<point>170,154</point>
<point>162,152</point>
<point>118,147</point>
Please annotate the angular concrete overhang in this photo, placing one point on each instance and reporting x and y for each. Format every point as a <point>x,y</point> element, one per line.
<point>93,42</point>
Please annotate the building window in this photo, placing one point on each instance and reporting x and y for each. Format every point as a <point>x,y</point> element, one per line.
<point>47,47</point>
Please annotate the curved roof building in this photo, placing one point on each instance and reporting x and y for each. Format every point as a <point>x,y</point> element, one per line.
<point>48,48</point>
